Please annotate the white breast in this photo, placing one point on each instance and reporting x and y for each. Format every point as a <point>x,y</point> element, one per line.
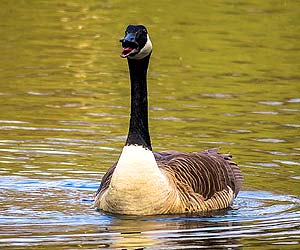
<point>137,185</point>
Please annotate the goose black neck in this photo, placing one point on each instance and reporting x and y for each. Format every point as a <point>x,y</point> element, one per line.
<point>138,133</point>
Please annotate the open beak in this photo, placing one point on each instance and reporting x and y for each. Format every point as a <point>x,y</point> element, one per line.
<point>129,45</point>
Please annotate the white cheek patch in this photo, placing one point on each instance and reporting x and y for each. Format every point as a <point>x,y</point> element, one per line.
<point>145,51</point>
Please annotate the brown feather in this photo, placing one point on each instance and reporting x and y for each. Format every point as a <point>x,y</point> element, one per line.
<point>104,185</point>
<point>202,170</point>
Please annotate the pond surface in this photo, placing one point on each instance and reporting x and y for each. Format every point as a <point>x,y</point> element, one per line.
<point>223,74</point>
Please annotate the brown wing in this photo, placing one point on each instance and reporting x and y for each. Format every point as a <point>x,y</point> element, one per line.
<point>105,180</point>
<point>207,172</point>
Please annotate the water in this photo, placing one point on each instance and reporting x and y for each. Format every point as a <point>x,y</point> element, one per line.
<point>222,74</point>
<point>58,213</point>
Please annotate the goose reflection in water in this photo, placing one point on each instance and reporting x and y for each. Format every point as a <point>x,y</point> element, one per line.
<point>207,231</point>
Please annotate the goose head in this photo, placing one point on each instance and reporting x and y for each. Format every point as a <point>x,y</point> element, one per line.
<point>136,43</point>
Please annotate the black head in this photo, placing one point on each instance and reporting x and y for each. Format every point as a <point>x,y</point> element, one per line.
<point>136,43</point>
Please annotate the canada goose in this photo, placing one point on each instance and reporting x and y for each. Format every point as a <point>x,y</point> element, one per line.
<point>142,182</point>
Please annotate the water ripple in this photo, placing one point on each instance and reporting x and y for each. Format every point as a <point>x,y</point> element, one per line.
<point>66,210</point>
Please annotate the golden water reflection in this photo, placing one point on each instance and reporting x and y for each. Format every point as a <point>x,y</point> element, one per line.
<point>222,74</point>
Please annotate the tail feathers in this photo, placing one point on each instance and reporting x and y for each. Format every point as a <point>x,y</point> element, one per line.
<point>233,170</point>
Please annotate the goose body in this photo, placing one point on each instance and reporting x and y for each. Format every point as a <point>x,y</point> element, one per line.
<point>142,182</point>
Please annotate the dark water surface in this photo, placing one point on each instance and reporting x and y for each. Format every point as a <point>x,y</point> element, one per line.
<point>223,74</point>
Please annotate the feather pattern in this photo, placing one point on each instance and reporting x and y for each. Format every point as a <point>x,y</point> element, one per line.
<point>201,181</point>
<point>205,180</point>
